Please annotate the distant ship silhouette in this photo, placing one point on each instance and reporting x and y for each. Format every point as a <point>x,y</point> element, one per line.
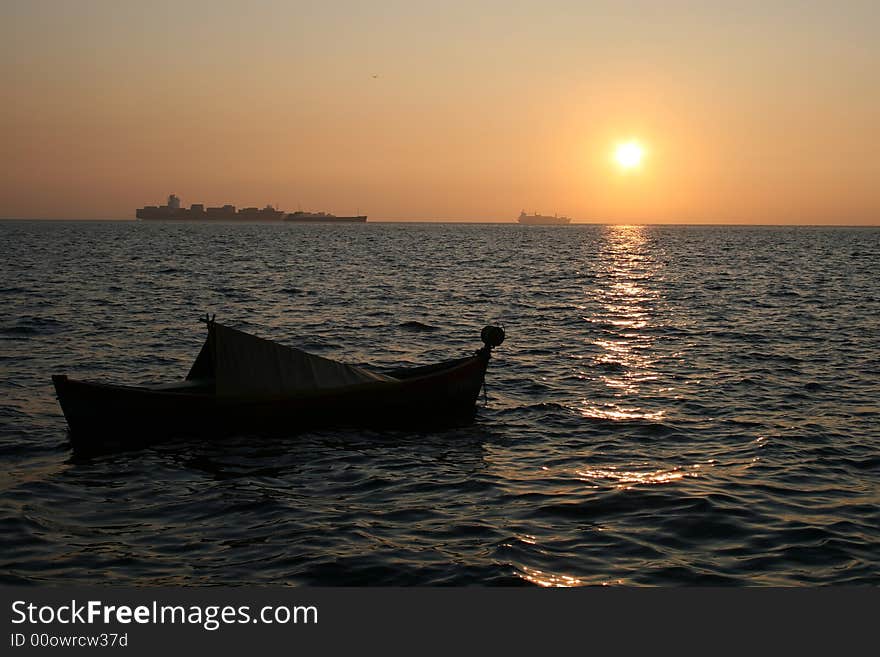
<point>198,212</point>
<point>542,220</point>
<point>324,217</point>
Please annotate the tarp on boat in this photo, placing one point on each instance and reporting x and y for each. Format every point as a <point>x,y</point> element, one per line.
<point>245,365</point>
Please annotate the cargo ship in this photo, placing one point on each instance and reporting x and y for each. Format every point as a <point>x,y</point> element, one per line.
<point>198,212</point>
<point>324,218</point>
<point>172,211</point>
<point>542,220</point>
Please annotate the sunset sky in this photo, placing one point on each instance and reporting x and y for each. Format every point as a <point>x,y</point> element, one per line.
<point>748,112</point>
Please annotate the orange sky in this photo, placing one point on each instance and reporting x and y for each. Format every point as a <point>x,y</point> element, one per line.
<point>751,112</point>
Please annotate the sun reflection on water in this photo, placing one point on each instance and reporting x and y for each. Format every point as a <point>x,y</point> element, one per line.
<point>625,479</point>
<point>547,579</point>
<point>622,323</point>
<point>543,578</point>
<point>617,412</point>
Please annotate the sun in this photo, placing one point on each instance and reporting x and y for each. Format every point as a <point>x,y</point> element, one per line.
<point>629,154</point>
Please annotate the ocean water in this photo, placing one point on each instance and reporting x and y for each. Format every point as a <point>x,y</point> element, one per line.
<point>673,406</point>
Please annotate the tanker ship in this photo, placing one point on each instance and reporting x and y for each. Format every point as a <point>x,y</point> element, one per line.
<point>324,218</point>
<point>542,220</point>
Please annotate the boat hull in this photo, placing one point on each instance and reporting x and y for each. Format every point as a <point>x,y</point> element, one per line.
<point>101,415</point>
<point>544,221</point>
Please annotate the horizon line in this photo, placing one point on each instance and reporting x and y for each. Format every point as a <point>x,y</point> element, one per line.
<point>474,221</point>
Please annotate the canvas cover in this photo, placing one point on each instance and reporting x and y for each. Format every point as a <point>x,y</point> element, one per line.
<point>245,365</point>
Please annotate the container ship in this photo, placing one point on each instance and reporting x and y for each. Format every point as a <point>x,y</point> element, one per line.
<point>172,211</point>
<point>542,220</point>
<point>198,212</point>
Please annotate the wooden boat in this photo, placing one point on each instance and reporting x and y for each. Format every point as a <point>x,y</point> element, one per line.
<point>242,383</point>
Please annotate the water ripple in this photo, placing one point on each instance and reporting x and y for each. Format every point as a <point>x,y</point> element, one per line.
<point>672,406</point>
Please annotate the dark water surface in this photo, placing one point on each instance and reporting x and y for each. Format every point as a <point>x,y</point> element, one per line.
<point>673,405</point>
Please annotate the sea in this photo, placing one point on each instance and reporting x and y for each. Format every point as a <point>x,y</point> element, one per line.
<point>672,406</point>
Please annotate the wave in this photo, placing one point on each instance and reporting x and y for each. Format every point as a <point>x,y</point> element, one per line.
<point>417,327</point>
